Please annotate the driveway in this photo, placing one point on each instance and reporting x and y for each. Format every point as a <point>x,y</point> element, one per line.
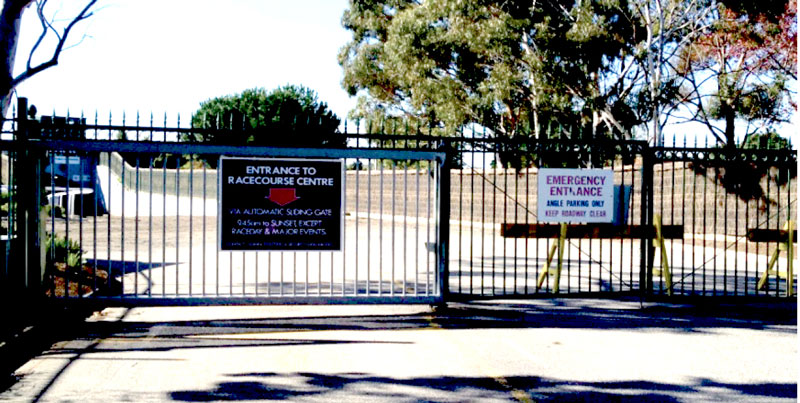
<point>540,350</point>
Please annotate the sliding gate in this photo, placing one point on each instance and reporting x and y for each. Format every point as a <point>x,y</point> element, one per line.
<point>143,226</point>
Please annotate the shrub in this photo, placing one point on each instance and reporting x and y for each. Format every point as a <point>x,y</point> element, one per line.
<point>62,250</point>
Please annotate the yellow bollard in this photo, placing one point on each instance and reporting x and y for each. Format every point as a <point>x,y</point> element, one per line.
<point>546,266</point>
<point>788,246</point>
<point>790,258</point>
<point>562,236</point>
<point>658,242</point>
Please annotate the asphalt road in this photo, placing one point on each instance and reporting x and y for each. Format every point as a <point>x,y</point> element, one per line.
<point>541,350</point>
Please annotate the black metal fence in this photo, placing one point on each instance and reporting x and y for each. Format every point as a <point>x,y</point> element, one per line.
<point>736,207</point>
<point>727,211</point>
<point>694,221</point>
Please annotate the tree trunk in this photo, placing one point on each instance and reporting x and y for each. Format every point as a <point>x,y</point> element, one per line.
<point>10,18</point>
<point>730,124</point>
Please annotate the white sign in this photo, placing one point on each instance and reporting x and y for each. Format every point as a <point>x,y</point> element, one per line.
<point>71,160</point>
<point>575,195</point>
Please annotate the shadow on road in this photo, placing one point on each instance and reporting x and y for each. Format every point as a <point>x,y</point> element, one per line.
<point>291,386</point>
<point>523,314</point>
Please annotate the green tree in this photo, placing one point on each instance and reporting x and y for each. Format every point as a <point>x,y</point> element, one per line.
<point>769,140</point>
<point>542,69</point>
<point>289,116</point>
<point>579,69</point>
<point>668,27</point>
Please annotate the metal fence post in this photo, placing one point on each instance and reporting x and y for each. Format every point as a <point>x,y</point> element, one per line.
<point>17,188</point>
<point>30,232</point>
<point>647,250</point>
<point>443,236</point>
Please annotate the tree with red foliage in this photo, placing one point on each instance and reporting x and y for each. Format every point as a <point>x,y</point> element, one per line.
<point>741,70</point>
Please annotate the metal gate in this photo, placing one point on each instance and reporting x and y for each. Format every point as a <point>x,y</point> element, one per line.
<point>135,222</point>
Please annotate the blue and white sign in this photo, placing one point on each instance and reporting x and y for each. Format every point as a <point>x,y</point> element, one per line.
<point>575,195</point>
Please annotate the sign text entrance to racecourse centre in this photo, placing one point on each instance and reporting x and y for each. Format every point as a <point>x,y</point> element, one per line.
<point>280,204</point>
<point>575,195</point>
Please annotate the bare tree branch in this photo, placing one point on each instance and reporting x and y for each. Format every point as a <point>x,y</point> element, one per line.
<point>62,38</point>
<point>46,27</point>
<point>701,115</point>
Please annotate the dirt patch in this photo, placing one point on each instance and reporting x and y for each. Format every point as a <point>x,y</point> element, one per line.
<point>85,280</point>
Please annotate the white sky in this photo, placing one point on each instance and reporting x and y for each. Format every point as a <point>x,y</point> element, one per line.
<point>169,55</point>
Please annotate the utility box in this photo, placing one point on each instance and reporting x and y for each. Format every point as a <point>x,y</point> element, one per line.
<point>622,204</point>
